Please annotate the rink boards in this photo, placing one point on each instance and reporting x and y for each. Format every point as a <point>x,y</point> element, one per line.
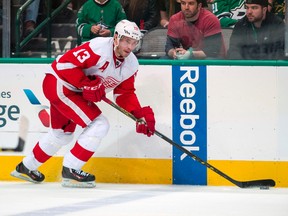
<point>232,116</point>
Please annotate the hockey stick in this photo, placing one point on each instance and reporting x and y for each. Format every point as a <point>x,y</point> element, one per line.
<point>262,183</point>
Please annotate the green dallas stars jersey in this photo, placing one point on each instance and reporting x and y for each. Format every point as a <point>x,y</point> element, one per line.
<point>279,8</point>
<point>228,11</point>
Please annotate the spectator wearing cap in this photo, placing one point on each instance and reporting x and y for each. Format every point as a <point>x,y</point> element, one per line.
<point>258,35</point>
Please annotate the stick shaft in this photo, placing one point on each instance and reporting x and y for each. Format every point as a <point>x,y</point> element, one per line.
<point>254,183</point>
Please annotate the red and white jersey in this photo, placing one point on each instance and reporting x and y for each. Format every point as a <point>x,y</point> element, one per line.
<point>96,57</point>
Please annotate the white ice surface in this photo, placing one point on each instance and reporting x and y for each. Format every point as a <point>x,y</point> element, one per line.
<point>21,198</point>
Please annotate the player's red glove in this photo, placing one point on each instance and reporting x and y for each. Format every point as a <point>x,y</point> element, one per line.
<point>146,125</point>
<point>93,90</point>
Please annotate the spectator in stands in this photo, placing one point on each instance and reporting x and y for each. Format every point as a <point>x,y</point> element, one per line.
<point>205,3</point>
<point>228,11</point>
<point>31,15</point>
<point>144,13</point>
<point>259,35</point>
<point>167,9</point>
<point>278,7</point>
<point>98,18</point>
<point>67,15</point>
<point>76,4</point>
<point>194,33</point>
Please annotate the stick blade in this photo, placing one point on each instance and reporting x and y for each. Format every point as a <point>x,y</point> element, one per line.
<point>257,183</point>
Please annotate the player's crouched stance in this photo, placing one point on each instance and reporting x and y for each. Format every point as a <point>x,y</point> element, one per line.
<point>78,79</point>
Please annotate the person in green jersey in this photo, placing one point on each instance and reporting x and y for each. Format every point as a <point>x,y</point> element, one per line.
<point>228,11</point>
<point>98,18</point>
<point>278,8</point>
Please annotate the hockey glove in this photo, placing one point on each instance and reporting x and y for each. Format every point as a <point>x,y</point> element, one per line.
<point>146,123</point>
<point>187,55</point>
<point>94,90</point>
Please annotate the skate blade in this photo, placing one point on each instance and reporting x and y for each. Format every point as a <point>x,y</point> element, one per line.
<point>75,184</point>
<point>23,177</point>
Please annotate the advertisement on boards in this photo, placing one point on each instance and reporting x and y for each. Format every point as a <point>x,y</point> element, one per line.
<point>189,123</point>
<point>23,110</point>
<point>24,114</point>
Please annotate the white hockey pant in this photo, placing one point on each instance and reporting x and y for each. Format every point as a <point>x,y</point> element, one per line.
<point>50,144</point>
<point>89,140</point>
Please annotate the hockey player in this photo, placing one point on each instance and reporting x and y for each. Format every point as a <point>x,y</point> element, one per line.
<point>78,79</point>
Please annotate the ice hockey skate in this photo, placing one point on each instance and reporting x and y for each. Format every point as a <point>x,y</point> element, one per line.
<point>77,178</point>
<point>24,173</point>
